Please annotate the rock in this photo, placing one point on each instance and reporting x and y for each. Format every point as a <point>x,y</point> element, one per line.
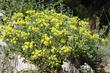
<point>69,67</point>
<point>86,68</point>
<point>11,63</point>
<point>20,65</point>
<point>107,68</point>
<point>1,14</point>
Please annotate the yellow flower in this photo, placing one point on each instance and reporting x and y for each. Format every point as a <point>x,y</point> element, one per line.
<point>70,38</point>
<point>104,40</point>
<point>14,40</point>
<point>95,36</point>
<point>73,27</point>
<point>83,23</point>
<point>46,40</point>
<point>63,41</point>
<point>53,49</point>
<point>30,45</point>
<point>33,52</point>
<point>33,57</point>
<point>27,45</point>
<point>38,53</point>
<point>24,47</point>
<point>66,49</point>
<point>20,22</point>
<point>45,24</point>
<point>45,43</point>
<point>56,32</point>
<point>64,31</point>
<point>30,11</point>
<point>17,15</point>
<point>34,29</point>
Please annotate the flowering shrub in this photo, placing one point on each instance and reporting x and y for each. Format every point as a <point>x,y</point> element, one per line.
<point>47,37</point>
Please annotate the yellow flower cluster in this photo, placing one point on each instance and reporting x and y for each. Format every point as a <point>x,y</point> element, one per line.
<point>48,36</point>
<point>27,45</point>
<point>58,32</point>
<point>53,60</point>
<point>46,40</point>
<point>30,11</point>
<point>37,53</point>
<point>17,16</point>
<point>66,49</point>
<point>14,40</point>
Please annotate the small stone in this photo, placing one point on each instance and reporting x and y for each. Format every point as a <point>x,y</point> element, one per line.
<point>1,14</point>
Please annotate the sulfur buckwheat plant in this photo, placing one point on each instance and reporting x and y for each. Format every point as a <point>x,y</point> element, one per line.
<point>46,38</point>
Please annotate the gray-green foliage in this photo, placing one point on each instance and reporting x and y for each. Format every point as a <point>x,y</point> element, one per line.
<point>105,51</point>
<point>10,6</point>
<point>28,71</point>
